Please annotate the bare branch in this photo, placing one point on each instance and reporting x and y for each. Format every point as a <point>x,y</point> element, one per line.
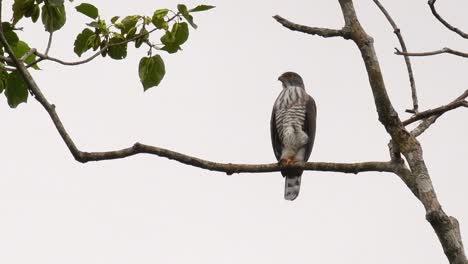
<point>399,35</point>
<point>431,4</point>
<point>426,123</point>
<point>231,168</point>
<point>322,32</point>
<point>432,53</point>
<point>436,111</point>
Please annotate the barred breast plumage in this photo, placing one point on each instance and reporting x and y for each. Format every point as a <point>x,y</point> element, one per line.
<point>290,115</point>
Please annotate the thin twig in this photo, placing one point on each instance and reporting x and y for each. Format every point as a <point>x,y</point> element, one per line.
<point>431,4</point>
<point>43,56</point>
<point>432,53</point>
<point>436,111</point>
<point>426,123</point>
<point>322,32</point>
<point>399,35</point>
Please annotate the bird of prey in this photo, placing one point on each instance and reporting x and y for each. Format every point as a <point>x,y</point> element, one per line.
<point>292,127</point>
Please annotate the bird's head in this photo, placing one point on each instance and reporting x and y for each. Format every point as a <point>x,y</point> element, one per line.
<point>291,79</point>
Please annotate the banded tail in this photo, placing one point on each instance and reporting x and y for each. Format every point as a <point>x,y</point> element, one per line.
<point>292,186</point>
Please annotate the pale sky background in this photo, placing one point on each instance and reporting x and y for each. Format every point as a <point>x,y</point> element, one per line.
<point>215,103</point>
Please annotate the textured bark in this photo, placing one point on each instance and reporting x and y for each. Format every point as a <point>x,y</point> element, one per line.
<point>417,176</point>
<point>445,227</point>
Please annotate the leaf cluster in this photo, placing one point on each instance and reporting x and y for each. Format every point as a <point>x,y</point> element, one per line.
<point>113,37</point>
<point>109,38</point>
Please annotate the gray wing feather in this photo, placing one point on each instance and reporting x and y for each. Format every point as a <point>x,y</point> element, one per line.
<point>310,125</point>
<point>275,140</point>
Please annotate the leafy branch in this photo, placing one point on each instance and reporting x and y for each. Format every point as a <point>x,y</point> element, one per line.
<point>105,38</point>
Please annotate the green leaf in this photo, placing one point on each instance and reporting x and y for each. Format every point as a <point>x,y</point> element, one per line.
<point>185,13</point>
<point>151,71</point>
<point>20,49</point>
<point>144,36</point>
<point>20,7</point>
<point>201,8</point>
<point>159,20</point>
<point>96,43</point>
<point>53,17</point>
<point>3,78</point>
<point>128,23</point>
<point>131,33</point>
<point>103,44</point>
<point>117,52</point>
<point>16,89</point>
<point>88,10</point>
<point>168,40</point>
<point>81,41</point>
<point>176,37</point>
<point>147,20</point>
<point>182,33</point>
<point>35,14</point>
<point>10,35</point>
<point>55,2</point>
<point>161,12</point>
<point>29,10</point>
<point>114,19</point>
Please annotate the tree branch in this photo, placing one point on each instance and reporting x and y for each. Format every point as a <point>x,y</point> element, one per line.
<point>426,123</point>
<point>322,32</point>
<point>431,4</point>
<point>139,148</point>
<point>399,35</point>
<point>436,111</point>
<point>432,53</point>
<point>418,180</point>
<point>230,168</point>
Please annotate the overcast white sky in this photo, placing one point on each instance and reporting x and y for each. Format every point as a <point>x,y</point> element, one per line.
<point>215,103</point>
